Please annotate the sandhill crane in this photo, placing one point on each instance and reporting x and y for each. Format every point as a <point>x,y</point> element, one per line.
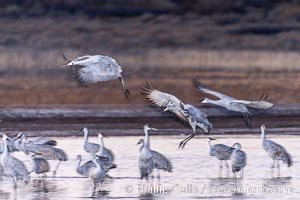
<point>97,174</point>
<point>107,165</point>
<point>12,167</point>
<point>219,151</point>
<point>234,104</point>
<point>238,159</point>
<point>186,112</point>
<point>146,162</point>
<point>39,165</point>
<point>275,151</point>
<point>87,166</point>
<point>161,162</point>
<point>96,68</point>
<point>42,151</point>
<point>93,148</point>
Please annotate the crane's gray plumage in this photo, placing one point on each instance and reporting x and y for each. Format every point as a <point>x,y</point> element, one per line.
<point>97,174</point>
<point>93,148</point>
<point>13,167</point>
<point>44,140</point>
<point>238,158</point>
<point>85,168</point>
<point>96,68</point>
<point>42,151</point>
<point>146,161</point>
<point>108,163</point>
<point>219,150</point>
<point>233,104</point>
<point>160,161</point>
<point>39,165</point>
<point>274,150</point>
<point>186,112</point>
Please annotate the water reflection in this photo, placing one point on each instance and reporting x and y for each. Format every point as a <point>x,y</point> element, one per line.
<point>192,166</point>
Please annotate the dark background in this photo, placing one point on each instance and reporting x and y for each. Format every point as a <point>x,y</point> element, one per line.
<point>240,47</point>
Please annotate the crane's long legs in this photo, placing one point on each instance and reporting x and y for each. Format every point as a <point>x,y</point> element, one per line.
<point>183,142</point>
<point>125,90</point>
<point>55,169</point>
<point>247,120</point>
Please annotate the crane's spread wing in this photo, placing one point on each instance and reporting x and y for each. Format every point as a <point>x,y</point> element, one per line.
<point>254,104</point>
<point>206,90</point>
<point>161,99</point>
<point>94,72</point>
<point>161,161</point>
<point>108,153</point>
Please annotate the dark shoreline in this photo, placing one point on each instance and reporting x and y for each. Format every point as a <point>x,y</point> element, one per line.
<point>118,120</point>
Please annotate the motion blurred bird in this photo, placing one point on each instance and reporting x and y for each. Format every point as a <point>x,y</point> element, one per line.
<point>238,159</point>
<point>220,152</point>
<point>274,150</point>
<point>161,162</point>
<point>186,112</point>
<point>96,68</point>
<point>234,104</point>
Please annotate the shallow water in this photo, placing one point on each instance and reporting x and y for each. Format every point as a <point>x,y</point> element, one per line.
<point>196,174</point>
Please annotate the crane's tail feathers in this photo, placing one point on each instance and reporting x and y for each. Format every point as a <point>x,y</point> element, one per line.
<point>125,90</point>
<point>289,160</point>
<point>266,97</point>
<point>197,84</point>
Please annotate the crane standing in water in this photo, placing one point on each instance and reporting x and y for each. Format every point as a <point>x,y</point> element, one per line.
<point>146,161</point>
<point>161,162</point>
<point>238,159</point>
<point>275,151</point>
<point>97,174</point>
<point>219,151</point>
<point>13,167</point>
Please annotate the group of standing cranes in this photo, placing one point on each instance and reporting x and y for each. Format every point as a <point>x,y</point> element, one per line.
<point>98,68</point>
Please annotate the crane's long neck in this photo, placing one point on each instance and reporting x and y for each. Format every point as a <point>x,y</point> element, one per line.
<point>5,148</point>
<point>78,162</point>
<point>142,146</point>
<point>101,147</point>
<point>85,137</point>
<point>97,164</point>
<point>209,144</point>
<point>215,102</point>
<point>146,140</point>
<point>263,135</point>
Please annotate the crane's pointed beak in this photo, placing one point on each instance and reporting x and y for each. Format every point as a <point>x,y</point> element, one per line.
<point>229,149</point>
<point>212,138</point>
<point>139,142</point>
